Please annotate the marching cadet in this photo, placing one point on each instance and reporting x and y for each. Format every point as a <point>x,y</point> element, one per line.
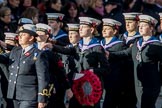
<point>28,68</point>
<point>55,20</point>
<point>146,54</point>
<point>129,37</point>
<point>112,83</point>
<point>74,39</point>
<point>58,77</point>
<point>91,66</point>
<point>44,33</point>
<point>10,38</point>
<point>131,22</point>
<point>71,60</point>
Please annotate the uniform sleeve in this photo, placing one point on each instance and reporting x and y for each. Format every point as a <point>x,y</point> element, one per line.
<point>4,58</point>
<point>103,68</point>
<point>63,41</point>
<point>64,50</point>
<point>155,51</point>
<point>9,47</point>
<point>159,49</point>
<point>42,68</point>
<point>121,54</point>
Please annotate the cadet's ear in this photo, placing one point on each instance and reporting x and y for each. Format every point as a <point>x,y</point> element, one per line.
<point>115,31</point>
<point>92,30</point>
<point>32,38</point>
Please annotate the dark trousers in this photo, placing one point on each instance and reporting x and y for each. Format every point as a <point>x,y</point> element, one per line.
<point>1,102</point>
<point>57,100</point>
<point>75,104</point>
<point>6,103</point>
<point>116,98</point>
<point>128,97</point>
<point>25,104</point>
<point>149,97</point>
<point>112,98</point>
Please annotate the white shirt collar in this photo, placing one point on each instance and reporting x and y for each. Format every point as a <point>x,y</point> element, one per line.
<point>28,48</point>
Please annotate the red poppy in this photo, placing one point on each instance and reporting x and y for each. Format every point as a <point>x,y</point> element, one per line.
<point>60,64</point>
<point>16,38</point>
<point>117,27</point>
<point>60,18</point>
<point>49,31</point>
<point>137,18</point>
<point>88,89</point>
<point>94,24</point>
<point>27,54</point>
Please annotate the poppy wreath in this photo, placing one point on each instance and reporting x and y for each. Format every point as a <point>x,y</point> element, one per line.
<point>87,89</point>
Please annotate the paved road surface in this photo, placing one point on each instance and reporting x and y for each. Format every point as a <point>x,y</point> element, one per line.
<point>158,103</point>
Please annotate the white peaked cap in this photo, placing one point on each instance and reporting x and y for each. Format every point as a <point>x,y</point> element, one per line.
<point>30,27</point>
<point>44,28</point>
<point>89,21</point>
<point>10,36</point>
<point>131,16</point>
<point>111,22</point>
<point>148,19</point>
<point>73,27</point>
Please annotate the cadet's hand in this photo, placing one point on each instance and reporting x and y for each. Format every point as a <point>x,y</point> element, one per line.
<point>69,93</point>
<point>41,105</point>
<point>46,45</point>
<point>52,41</point>
<point>42,45</point>
<point>3,44</point>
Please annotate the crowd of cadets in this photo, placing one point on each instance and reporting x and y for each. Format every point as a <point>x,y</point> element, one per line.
<point>72,9</point>
<point>42,52</point>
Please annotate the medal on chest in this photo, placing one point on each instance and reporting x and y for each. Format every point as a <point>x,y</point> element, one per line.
<point>138,56</point>
<point>35,56</point>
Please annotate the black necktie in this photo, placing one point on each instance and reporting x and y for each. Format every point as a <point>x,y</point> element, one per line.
<point>22,53</point>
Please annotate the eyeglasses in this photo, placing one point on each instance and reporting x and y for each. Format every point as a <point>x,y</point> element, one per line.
<point>7,15</point>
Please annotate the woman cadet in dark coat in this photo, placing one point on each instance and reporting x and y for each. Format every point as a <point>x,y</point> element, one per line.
<point>146,54</point>
<point>112,82</point>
